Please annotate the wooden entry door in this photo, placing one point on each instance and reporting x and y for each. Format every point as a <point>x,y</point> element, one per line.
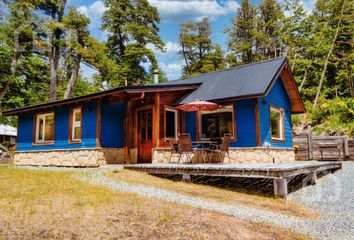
<point>145,136</point>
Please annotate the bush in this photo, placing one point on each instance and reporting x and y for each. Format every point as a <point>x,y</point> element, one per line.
<point>333,117</point>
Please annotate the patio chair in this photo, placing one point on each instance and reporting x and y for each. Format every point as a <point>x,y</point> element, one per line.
<point>185,146</point>
<point>223,147</point>
<point>175,149</point>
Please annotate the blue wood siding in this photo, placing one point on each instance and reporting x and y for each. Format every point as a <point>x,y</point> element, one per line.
<point>191,124</point>
<point>26,124</point>
<point>245,123</point>
<point>279,98</point>
<point>112,125</point>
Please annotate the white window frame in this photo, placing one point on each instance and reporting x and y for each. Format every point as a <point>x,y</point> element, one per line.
<point>38,117</point>
<point>75,123</point>
<point>281,123</point>
<point>232,107</point>
<point>176,122</point>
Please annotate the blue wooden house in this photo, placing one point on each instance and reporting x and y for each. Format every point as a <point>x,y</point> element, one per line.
<point>135,124</point>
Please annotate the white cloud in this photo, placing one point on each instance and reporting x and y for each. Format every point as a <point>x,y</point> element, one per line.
<point>172,70</point>
<point>170,48</point>
<point>193,10</point>
<point>95,10</point>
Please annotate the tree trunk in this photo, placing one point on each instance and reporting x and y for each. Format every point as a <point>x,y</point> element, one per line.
<point>328,56</point>
<point>185,57</point>
<point>54,55</point>
<point>73,77</point>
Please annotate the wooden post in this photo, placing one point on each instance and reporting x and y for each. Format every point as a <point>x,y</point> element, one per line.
<point>309,142</point>
<point>186,178</point>
<point>346,148</point>
<point>280,187</point>
<point>258,128</point>
<point>156,121</point>
<point>127,133</point>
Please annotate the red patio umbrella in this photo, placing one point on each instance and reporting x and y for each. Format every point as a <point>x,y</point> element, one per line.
<point>197,106</point>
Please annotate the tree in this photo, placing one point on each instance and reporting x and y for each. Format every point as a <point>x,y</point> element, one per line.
<point>269,26</point>
<point>241,35</point>
<point>197,50</point>
<point>54,9</point>
<point>77,24</point>
<point>132,26</point>
<point>329,54</point>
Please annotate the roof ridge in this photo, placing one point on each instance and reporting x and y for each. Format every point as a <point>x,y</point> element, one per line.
<point>232,68</point>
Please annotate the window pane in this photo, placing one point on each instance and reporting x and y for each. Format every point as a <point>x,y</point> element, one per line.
<point>40,129</point>
<point>77,133</point>
<point>77,117</point>
<point>215,124</point>
<point>171,124</point>
<point>275,123</point>
<point>49,128</point>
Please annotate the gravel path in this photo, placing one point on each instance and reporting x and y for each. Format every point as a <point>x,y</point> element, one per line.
<point>332,198</point>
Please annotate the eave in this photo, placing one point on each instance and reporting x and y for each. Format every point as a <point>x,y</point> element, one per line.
<point>120,91</point>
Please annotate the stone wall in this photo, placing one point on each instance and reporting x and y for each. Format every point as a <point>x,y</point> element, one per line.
<point>71,158</point>
<point>237,155</point>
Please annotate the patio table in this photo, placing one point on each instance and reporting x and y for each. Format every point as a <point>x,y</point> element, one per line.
<point>203,147</point>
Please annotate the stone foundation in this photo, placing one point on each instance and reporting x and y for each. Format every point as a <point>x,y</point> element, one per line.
<point>71,158</point>
<point>237,155</point>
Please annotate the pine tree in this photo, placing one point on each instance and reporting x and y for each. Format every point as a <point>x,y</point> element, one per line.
<point>269,27</point>
<point>241,36</point>
<point>76,23</point>
<point>55,9</point>
<point>197,50</point>
<point>132,26</point>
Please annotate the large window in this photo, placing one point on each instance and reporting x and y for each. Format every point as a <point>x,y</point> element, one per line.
<point>215,124</point>
<point>171,123</point>
<point>277,123</point>
<point>75,128</point>
<point>44,128</point>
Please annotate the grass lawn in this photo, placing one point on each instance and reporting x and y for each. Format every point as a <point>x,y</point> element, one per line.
<point>56,205</point>
<point>215,193</point>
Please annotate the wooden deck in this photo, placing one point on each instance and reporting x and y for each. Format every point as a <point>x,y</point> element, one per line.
<point>281,173</point>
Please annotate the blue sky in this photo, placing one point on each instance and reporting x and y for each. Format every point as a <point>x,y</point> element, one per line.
<point>172,13</point>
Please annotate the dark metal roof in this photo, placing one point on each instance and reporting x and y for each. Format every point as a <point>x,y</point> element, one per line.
<point>246,80</point>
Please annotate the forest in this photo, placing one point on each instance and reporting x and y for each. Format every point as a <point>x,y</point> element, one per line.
<point>45,43</point>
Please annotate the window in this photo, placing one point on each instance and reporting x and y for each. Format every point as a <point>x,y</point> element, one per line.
<point>44,128</point>
<point>75,129</point>
<point>171,123</point>
<point>216,123</point>
<point>277,123</point>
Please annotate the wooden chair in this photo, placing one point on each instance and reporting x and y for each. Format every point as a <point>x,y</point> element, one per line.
<point>186,147</point>
<point>223,147</point>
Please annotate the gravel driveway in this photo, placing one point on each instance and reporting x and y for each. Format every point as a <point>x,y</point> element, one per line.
<point>332,198</point>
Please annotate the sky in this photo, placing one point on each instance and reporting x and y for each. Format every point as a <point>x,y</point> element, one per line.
<point>172,14</point>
